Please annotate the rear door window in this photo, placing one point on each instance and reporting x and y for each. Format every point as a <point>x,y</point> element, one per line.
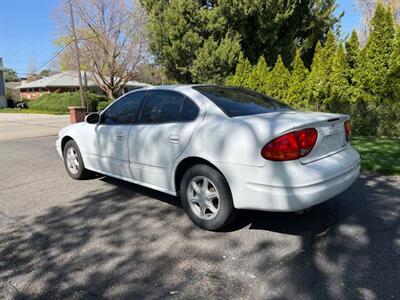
<point>162,107</point>
<point>189,111</point>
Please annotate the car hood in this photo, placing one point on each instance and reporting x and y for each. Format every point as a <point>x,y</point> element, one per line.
<point>69,128</point>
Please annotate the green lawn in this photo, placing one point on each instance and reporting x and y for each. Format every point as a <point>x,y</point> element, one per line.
<point>29,111</point>
<point>378,154</point>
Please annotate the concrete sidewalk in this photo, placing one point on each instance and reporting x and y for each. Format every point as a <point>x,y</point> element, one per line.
<point>20,125</point>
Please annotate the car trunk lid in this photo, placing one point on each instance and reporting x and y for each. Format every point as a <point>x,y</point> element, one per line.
<point>331,137</point>
<point>330,127</point>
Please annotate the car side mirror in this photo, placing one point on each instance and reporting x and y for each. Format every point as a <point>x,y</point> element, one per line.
<point>92,118</point>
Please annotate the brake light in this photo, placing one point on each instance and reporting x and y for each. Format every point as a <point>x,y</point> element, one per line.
<point>291,146</point>
<point>347,130</point>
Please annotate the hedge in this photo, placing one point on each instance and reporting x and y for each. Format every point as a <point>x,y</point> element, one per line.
<point>59,102</point>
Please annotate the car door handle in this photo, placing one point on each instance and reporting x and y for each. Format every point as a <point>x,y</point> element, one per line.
<point>173,139</point>
<point>120,136</point>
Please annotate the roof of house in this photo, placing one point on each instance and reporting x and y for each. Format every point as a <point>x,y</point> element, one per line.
<point>68,79</point>
<point>13,84</point>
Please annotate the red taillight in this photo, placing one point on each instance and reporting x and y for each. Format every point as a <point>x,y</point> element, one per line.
<point>290,146</point>
<point>347,130</point>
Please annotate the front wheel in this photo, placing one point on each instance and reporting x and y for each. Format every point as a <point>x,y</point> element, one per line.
<point>73,161</point>
<point>206,197</point>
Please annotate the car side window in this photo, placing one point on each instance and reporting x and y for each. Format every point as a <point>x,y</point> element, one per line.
<point>189,111</point>
<point>124,110</point>
<point>162,107</point>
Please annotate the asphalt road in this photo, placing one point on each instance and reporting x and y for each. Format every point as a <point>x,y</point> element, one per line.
<point>104,238</point>
<point>20,125</point>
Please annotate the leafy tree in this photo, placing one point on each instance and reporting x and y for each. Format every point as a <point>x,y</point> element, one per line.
<point>367,9</point>
<point>372,69</point>
<point>242,73</point>
<point>182,31</point>
<point>297,92</point>
<point>45,73</point>
<point>111,40</point>
<point>10,75</point>
<point>279,81</point>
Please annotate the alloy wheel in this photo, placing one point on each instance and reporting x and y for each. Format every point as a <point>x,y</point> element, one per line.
<point>203,197</point>
<point>72,160</point>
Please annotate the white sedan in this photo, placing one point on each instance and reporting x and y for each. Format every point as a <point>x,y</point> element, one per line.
<point>219,148</point>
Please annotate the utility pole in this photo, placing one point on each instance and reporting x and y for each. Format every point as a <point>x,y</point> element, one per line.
<point>77,54</point>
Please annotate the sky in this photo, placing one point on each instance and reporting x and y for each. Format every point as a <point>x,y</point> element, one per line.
<point>27,31</point>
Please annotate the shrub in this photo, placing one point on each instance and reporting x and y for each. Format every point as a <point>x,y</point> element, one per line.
<point>102,105</point>
<point>55,102</point>
<point>59,102</point>
<point>93,100</point>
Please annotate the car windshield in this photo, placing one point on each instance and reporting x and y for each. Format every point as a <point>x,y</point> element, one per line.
<point>235,102</point>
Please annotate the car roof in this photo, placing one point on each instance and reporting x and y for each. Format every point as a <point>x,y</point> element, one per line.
<point>172,87</point>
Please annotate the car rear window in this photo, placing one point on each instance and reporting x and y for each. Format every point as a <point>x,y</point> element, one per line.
<point>235,102</point>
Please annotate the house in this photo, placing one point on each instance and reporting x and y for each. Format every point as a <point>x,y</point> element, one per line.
<point>66,82</point>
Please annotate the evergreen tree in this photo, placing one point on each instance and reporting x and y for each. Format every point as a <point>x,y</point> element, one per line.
<point>373,67</point>
<point>329,49</point>
<point>217,67</point>
<point>259,77</point>
<point>278,84</point>
<point>320,76</point>
<point>253,80</point>
<point>180,31</point>
<point>242,73</point>
<point>297,91</point>
<point>352,59</point>
<point>352,50</point>
<point>316,78</point>
<point>393,80</point>
<point>339,79</point>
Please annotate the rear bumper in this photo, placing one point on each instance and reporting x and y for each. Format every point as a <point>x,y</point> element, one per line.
<point>291,186</point>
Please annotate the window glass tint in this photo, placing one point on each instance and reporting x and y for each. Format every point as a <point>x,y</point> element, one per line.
<point>124,110</point>
<point>189,111</point>
<point>236,102</point>
<point>162,106</point>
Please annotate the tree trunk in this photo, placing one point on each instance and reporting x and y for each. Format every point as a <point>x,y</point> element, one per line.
<point>110,94</point>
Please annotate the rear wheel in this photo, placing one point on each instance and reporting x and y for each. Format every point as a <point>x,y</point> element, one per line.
<point>73,161</point>
<point>206,197</point>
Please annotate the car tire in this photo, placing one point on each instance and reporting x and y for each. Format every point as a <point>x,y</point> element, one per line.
<point>206,197</point>
<point>73,161</point>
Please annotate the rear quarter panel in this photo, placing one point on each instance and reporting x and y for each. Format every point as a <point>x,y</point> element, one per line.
<point>221,139</point>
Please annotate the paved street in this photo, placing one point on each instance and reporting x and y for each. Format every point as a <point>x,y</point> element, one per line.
<point>104,238</point>
<point>14,126</point>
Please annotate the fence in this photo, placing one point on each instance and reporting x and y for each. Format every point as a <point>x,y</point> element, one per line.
<point>369,119</point>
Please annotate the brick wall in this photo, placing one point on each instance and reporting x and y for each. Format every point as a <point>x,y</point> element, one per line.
<point>30,94</point>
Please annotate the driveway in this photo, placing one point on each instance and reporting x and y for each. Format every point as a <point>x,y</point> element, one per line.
<point>104,238</point>
<point>20,125</point>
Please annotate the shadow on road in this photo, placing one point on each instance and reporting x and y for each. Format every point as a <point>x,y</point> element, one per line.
<point>118,243</point>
